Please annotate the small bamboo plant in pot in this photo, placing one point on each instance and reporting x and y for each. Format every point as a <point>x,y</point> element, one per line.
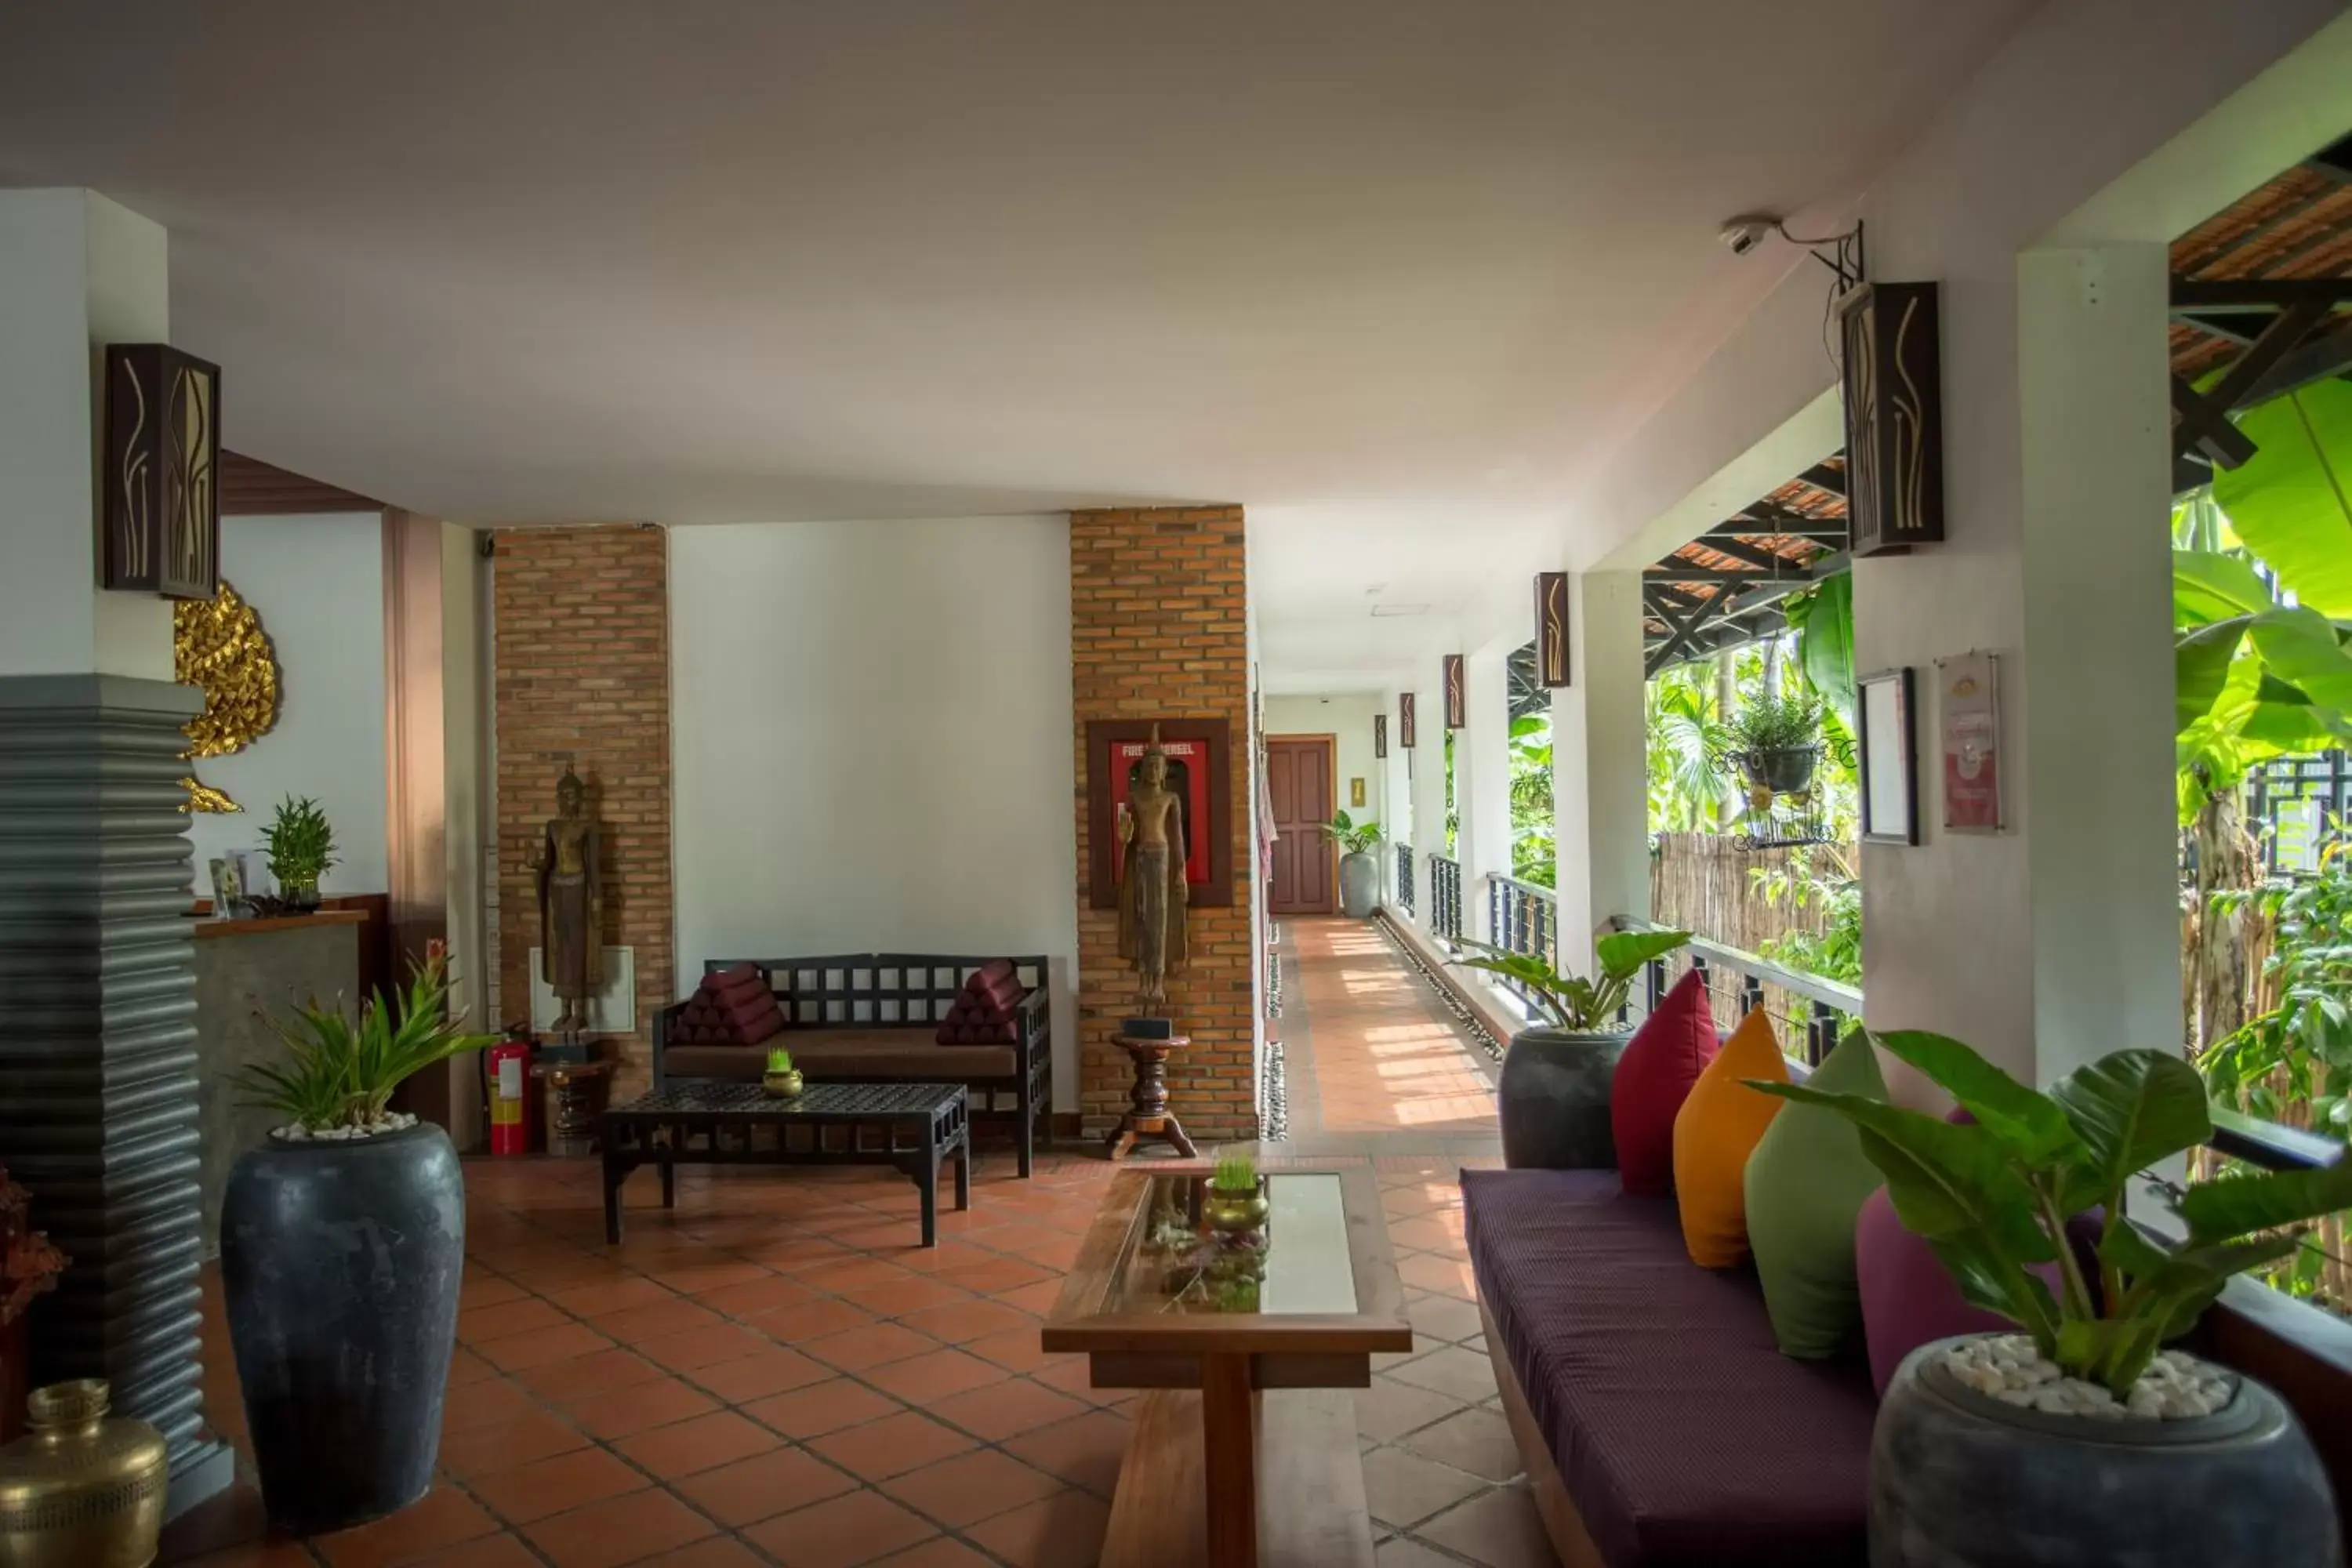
<point>1235,1203</point>
<point>343,1241</point>
<point>301,845</point>
<point>1775,743</point>
<point>1553,1097</point>
<point>2079,1438</point>
<point>1359,872</point>
<point>781,1081</point>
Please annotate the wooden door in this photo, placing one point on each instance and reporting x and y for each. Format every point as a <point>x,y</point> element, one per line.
<point>1306,871</point>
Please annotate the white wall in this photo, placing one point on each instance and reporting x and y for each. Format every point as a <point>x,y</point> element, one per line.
<point>872,738</point>
<point>318,585</point>
<point>1349,717</point>
<point>76,271</point>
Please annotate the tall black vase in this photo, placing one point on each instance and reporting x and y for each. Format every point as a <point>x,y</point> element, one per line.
<point>340,1264</point>
<point>1553,1099</point>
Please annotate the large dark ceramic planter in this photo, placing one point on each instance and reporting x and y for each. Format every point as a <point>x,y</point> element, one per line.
<point>1554,1099</point>
<point>340,1262</point>
<point>1959,1479</point>
<point>1360,886</point>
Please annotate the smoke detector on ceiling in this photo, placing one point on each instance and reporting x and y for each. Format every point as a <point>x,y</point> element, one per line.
<point>1745,233</point>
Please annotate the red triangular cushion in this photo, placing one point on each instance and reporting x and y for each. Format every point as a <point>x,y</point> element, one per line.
<point>1654,1076</point>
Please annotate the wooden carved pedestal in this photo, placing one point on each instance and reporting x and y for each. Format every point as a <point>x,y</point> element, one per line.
<point>1147,1116</point>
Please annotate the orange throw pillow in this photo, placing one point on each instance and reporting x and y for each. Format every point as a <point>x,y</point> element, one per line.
<point>1718,1127</point>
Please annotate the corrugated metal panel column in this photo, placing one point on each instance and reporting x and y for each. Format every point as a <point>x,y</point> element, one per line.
<point>98,1041</point>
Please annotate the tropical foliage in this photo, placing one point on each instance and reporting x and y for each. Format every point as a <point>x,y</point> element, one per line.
<point>1572,1002</point>
<point>1355,837</point>
<point>341,1074</point>
<point>2262,594</point>
<point>1993,1197</point>
<point>1834,953</point>
<point>1691,789</point>
<point>2293,1062</point>
<point>1533,855</point>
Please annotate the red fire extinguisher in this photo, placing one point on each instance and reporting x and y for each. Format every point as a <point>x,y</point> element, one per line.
<point>509,1064</point>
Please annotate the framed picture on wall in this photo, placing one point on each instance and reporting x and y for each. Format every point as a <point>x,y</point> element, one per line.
<point>1201,772</point>
<point>1968,713</point>
<point>1889,757</point>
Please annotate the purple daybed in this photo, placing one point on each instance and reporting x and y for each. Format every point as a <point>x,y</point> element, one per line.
<point>1660,1424</point>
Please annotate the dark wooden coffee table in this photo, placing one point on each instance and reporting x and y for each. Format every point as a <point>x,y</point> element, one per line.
<point>913,1126</point>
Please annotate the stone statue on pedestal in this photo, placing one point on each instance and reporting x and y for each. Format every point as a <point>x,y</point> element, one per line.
<point>1152,895</point>
<point>570,907</point>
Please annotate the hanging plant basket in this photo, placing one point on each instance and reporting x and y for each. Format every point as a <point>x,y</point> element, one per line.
<point>1781,769</point>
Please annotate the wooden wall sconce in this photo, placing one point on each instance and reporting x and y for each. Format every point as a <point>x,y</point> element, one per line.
<point>1380,735</point>
<point>1893,416</point>
<point>160,508</point>
<point>1457,693</point>
<point>1552,628</point>
<point>1404,719</point>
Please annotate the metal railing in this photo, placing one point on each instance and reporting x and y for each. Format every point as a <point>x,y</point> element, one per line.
<point>1444,899</point>
<point>1522,918</point>
<point>1405,878</point>
<point>1811,1013</point>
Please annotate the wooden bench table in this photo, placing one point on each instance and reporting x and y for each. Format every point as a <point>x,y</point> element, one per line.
<point>915,1127</point>
<point>1245,1451</point>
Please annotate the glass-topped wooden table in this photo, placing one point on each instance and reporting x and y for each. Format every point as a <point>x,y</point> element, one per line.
<point>1245,1451</point>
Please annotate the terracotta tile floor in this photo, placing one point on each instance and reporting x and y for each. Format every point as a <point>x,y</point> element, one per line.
<point>1375,1062</point>
<point>774,1373</point>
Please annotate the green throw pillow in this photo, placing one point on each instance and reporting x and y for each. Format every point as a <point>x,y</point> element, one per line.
<point>1805,1183</point>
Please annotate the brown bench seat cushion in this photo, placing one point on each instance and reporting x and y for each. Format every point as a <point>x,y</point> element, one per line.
<point>842,1055</point>
<point>1683,1435</point>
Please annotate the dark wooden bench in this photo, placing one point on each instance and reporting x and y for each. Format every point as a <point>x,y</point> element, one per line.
<point>868,1018</point>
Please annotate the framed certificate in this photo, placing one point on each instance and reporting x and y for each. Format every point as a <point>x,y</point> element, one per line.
<point>1890,757</point>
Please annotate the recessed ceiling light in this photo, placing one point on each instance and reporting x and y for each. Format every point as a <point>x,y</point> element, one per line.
<point>1400,609</point>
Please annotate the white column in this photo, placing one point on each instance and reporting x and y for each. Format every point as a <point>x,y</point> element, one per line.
<point>1426,767</point>
<point>76,273</point>
<point>2097,808</point>
<point>1599,790</point>
<point>1483,784</point>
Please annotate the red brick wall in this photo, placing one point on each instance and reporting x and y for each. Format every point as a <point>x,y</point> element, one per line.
<point>1157,598</point>
<point>582,668</point>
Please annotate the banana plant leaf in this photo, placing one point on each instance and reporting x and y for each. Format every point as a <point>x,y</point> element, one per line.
<point>1824,623</point>
<point>2210,586</point>
<point>2292,505</point>
<point>2302,649</point>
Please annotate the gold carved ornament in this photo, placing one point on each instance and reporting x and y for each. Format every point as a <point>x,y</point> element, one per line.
<point>218,647</point>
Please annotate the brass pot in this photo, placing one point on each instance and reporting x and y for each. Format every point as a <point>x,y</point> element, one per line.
<point>81,1490</point>
<point>782,1085</point>
<point>1235,1213</point>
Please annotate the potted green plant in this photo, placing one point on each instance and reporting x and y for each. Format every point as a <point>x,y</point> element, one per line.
<point>301,845</point>
<point>781,1081</point>
<point>1775,742</point>
<point>1360,871</point>
<point>1553,1096</point>
<point>343,1241</point>
<point>2080,1439</point>
<point>1235,1203</point>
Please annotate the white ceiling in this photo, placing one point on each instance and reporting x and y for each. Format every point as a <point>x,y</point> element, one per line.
<point>1394,274</point>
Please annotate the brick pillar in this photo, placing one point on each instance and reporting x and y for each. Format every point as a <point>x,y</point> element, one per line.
<point>1158,600</point>
<point>581,617</point>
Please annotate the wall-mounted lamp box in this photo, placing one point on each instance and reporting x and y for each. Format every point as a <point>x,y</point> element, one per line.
<point>160,500</point>
<point>1893,416</point>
